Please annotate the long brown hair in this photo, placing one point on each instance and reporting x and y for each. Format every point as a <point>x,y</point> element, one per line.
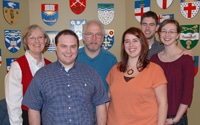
<point>142,60</point>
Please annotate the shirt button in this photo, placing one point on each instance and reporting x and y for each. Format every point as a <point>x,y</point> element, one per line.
<point>70,120</point>
<point>68,85</point>
<point>69,96</point>
<point>69,107</point>
<point>67,74</point>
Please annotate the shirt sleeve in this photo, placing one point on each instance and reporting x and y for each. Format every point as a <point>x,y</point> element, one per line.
<point>33,97</point>
<point>158,76</point>
<point>188,76</point>
<point>100,95</point>
<point>14,94</point>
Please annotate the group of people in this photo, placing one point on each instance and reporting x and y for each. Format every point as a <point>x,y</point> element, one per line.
<point>149,85</point>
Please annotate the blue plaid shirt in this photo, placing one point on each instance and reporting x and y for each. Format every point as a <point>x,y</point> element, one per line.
<point>66,97</point>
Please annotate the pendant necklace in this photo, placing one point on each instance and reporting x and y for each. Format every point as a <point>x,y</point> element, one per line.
<point>130,71</point>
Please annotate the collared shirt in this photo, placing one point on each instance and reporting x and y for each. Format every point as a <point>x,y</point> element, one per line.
<point>66,97</point>
<point>155,48</point>
<point>102,63</point>
<point>34,67</point>
<point>13,88</point>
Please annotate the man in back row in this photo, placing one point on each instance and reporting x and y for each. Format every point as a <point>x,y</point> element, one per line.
<point>149,26</point>
<point>92,54</point>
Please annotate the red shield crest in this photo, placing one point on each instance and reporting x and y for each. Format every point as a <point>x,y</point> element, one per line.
<point>77,6</point>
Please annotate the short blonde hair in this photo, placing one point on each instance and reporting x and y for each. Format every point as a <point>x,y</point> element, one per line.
<point>28,33</point>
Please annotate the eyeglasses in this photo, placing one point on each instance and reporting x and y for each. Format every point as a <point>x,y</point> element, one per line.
<point>90,35</point>
<point>32,38</point>
<point>164,32</point>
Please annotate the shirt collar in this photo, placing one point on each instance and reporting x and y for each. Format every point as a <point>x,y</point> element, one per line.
<point>33,60</point>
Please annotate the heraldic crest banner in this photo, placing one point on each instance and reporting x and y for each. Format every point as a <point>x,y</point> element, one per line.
<point>49,13</point>
<point>12,40</point>
<point>77,6</point>
<point>11,11</point>
<point>189,36</point>
<point>141,7</point>
<point>164,4</point>
<point>189,8</point>
<point>106,13</point>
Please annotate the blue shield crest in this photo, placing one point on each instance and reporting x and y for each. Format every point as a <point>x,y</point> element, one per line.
<point>163,17</point>
<point>12,40</point>
<point>52,35</point>
<point>9,62</point>
<point>196,62</point>
<point>108,39</point>
<point>141,7</point>
<point>77,26</point>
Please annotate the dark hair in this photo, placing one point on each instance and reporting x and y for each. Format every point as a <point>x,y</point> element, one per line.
<point>171,21</point>
<point>28,33</point>
<point>66,32</point>
<point>150,14</point>
<point>142,60</point>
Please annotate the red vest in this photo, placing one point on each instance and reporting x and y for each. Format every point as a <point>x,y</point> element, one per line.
<point>26,74</point>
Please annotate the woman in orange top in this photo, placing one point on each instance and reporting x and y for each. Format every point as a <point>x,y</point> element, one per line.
<point>137,87</point>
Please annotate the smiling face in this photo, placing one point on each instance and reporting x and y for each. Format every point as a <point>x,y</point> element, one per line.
<point>36,42</point>
<point>149,27</point>
<point>93,37</point>
<point>67,50</point>
<point>169,34</point>
<point>132,45</point>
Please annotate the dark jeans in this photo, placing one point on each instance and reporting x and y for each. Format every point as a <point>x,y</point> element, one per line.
<point>25,117</point>
<point>182,121</point>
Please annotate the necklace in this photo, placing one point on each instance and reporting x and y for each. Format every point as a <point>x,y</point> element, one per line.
<point>130,71</point>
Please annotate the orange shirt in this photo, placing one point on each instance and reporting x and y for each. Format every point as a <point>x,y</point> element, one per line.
<point>134,102</point>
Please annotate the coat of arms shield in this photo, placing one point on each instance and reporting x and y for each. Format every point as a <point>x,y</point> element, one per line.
<point>12,40</point>
<point>189,8</point>
<point>141,7</point>
<point>49,13</point>
<point>77,6</point>
<point>164,4</point>
<point>105,13</point>
<point>11,11</point>
<point>189,36</point>
<point>108,39</point>
<point>196,67</point>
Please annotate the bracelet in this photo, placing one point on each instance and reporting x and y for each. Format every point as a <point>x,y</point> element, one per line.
<point>173,121</point>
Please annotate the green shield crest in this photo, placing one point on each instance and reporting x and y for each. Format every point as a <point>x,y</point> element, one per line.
<point>189,36</point>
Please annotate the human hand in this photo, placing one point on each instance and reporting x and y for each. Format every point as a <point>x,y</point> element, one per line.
<point>187,52</point>
<point>169,121</point>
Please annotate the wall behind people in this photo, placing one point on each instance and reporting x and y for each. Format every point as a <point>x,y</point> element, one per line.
<point>30,13</point>
<point>21,24</point>
<point>90,12</point>
<point>193,112</point>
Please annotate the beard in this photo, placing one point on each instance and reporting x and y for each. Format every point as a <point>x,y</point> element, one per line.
<point>93,49</point>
